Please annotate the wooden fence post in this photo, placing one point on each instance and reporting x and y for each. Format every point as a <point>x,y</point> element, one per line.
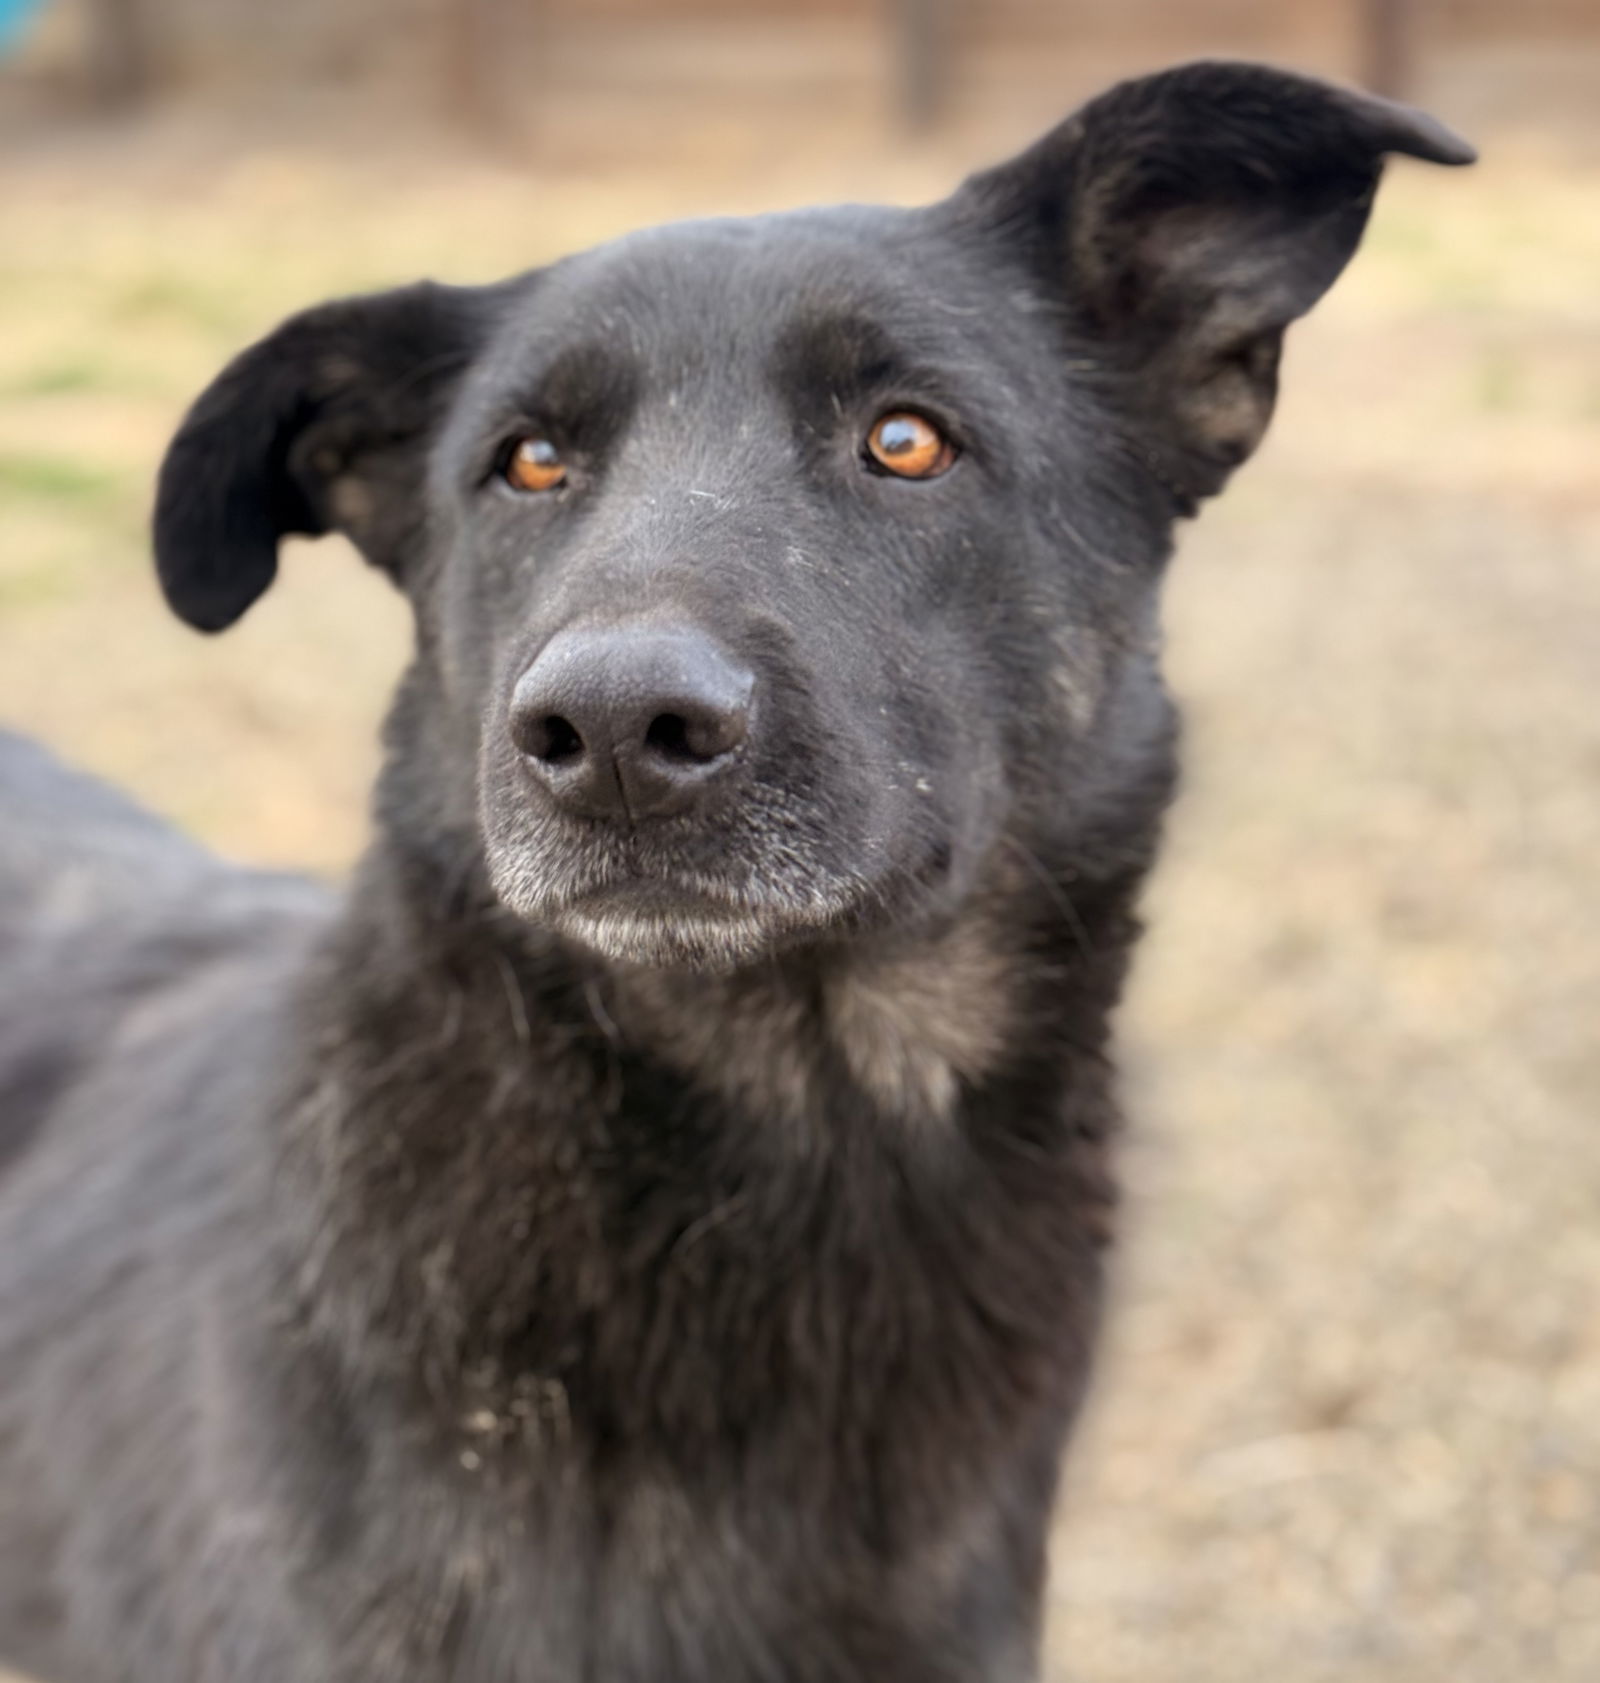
<point>120,56</point>
<point>922,59</point>
<point>483,45</point>
<point>1388,47</point>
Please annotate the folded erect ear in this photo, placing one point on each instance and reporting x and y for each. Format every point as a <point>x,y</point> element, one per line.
<point>1184,220</point>
<point>321,426</point>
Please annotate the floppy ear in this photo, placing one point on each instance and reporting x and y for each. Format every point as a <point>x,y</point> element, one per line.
<point>1185,219</point>
<point>321,426</point>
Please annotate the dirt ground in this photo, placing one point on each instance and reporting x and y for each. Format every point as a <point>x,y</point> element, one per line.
<point>1348,1418</point>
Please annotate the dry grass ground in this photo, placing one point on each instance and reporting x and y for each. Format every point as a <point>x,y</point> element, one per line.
<point>1348,1420</point>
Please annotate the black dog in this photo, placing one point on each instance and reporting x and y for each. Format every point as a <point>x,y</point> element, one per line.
<point>649,1229</point>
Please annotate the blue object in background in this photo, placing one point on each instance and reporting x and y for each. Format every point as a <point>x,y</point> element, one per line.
<point>15,16</point>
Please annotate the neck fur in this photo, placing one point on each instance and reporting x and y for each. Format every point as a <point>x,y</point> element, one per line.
<point>674,1207</point>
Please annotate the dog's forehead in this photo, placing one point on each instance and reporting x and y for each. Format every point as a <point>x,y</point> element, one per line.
<point>741,283</point>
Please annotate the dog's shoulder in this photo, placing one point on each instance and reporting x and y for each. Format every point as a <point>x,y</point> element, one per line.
<point>71,845</point>
<point>106,910</point>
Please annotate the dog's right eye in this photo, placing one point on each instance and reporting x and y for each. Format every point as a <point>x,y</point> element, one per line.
<point>909,446</point>
<point>533,464</point>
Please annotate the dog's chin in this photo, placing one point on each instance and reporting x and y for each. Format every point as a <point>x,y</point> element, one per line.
<point>664,914</point>
<point>693,935</point>
<point>660,924</point>
<point>667,926</point>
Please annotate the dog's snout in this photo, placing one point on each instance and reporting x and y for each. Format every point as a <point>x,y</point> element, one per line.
<point>631,721</point>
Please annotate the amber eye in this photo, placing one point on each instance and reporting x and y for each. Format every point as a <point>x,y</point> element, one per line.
<point>909,446</point>
<point>534,465</point>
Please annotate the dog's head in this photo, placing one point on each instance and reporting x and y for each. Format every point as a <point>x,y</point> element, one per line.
<point>768,573</point>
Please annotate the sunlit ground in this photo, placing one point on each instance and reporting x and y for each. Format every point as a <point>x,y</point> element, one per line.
<point>1348,1419</point>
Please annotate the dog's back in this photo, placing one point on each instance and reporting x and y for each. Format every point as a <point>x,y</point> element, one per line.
<point>102,908</point>
<point>117,937</point>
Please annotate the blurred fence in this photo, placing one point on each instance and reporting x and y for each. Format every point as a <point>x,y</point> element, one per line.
<point>482,58</point>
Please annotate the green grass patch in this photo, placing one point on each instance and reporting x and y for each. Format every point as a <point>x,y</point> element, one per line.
<point>56,379</point>
<point>1499,386</point>
<point>60,480</point>
<point>176,299</point>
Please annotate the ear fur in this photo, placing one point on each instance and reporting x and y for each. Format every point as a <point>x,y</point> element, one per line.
<point>1186,219</point>
<point>315,428</point>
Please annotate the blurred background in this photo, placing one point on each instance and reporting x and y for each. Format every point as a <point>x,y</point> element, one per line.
<point>1347,1423</point>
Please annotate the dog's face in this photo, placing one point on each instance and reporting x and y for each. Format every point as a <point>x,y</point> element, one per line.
<point>758,575</point>
<point>770,576</point>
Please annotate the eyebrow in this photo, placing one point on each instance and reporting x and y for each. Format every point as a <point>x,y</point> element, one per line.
<point>841,350</point>
<point>587,388</point>
<point>825,362</point>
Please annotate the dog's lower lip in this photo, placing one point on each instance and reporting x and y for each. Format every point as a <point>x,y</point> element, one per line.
<point>658,895</point>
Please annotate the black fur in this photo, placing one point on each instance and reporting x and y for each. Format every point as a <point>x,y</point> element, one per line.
<point>667,1252</point>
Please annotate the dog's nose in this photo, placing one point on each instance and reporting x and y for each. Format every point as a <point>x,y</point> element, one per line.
<point>631,721</point>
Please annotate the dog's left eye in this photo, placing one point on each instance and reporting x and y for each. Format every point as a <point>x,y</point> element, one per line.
<point>534,464</point>
<point>909,446</point>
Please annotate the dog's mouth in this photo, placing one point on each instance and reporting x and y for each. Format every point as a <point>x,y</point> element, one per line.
<point>662,925</point>
<point>665,914</point>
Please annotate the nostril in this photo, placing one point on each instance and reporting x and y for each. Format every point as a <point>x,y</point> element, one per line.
<point>669,736</point>
<point>553,740</point>
<point>698,736</point>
